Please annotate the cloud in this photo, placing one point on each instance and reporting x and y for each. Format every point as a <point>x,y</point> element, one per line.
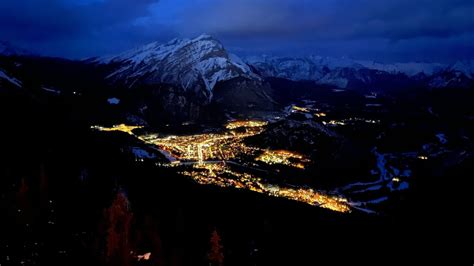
<point>391,29</point>
<point>68,24</point>
<point>331,19</point>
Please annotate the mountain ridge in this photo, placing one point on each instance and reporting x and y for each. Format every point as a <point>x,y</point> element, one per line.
<point>340,71</point>
<point>193,64</point>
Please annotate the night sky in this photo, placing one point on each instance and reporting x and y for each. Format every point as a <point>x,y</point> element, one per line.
<point>384,30</point>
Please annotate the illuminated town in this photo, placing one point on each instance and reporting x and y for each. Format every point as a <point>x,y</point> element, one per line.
<point>122,127</point>
<point>322,115</point>
<point>283,157</point>
<point>349,121</point>
<point>209,146</point>
<point>209,159</point>
<point>295,109</point>
<point>220,174</point>
<point>246,124</point>
<point>235,133</point>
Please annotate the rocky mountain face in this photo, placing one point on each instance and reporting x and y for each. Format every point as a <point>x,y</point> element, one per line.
<point>187,77</point>
<point>191,79</point>
<point>460,74</point>
<point>195,65</point>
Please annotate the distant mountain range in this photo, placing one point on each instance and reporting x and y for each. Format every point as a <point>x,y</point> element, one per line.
<point>201,63</point>
<point>345,73</point>
<point>184,75</point>
<point>319,62</point>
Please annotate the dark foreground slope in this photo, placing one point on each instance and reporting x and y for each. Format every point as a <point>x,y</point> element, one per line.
<point>59,181</point>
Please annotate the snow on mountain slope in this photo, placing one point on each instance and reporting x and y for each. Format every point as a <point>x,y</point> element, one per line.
<point>345,72</point>
<point>410,68</point>
<point>286,67</point>
<point>324,70</point>
<point>459,74</point>
<point>196,64</point>
<point>12,80</point>
<point>313,67</point>
<point>465,67</point>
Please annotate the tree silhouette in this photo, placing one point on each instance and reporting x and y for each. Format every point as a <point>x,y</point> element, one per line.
<point>215,255</point>
<point>24,203</point>
<point>153,236</point>
<point>44,195</point>
<point>119,218</point>
<point>22,194</point>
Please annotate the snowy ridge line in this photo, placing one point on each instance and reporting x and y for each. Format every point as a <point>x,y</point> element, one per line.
<point>187,63</point>
<point>311,66</point>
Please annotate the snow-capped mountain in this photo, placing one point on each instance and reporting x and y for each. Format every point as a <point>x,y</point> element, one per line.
<point>465,67</point>
<point>459,74</point>
<point>287,67</point>
<point>198,65</point>
<point>344,72</point>
<point>192,64</point>
<point>8,49</point>
<point>315,67</point>
<point>410,69</point>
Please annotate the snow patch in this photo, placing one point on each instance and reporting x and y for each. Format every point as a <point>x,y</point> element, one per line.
<point>465,67</point>
<point>51,90</point>
<point>377,201</point>
<point>12,80</point>
<point>442,138</point>
<point>113,101</point>
<point>142,154</point>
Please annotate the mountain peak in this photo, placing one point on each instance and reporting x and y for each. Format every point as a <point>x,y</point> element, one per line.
<point>464,66</point>
<point>204,36</point>
<point>197,64</point>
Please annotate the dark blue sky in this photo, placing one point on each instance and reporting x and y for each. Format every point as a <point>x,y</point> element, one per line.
<point>384,30</point>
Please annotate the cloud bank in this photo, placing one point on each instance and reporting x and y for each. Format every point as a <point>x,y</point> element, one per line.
<point>435,30</point>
